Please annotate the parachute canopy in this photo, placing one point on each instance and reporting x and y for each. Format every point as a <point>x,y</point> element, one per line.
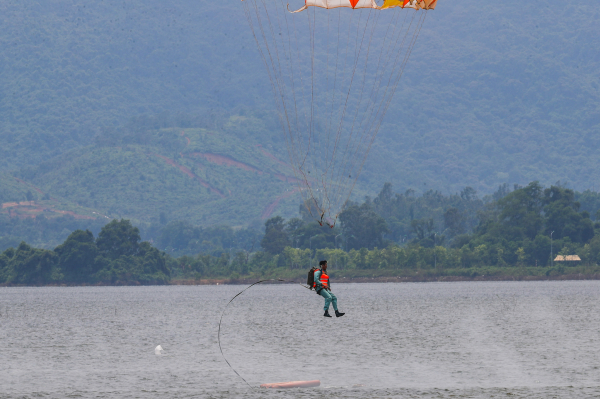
<point>415,4</point>
<point>333,69</point>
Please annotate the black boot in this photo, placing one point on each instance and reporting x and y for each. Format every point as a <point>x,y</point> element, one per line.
<point>327,314</point>
<point>339,314</point>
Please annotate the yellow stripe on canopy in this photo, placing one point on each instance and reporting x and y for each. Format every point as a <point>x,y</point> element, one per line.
<point>416,4</point>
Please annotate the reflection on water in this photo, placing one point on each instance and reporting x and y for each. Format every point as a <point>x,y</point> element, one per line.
<point>526,339</point>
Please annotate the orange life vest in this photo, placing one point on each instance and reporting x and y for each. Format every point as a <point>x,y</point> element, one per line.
<point>324,279</point>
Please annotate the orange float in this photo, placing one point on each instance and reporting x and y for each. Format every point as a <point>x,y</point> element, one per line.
<point>292,384</point>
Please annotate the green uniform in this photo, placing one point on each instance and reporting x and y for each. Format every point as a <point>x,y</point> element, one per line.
<point>328,295</point>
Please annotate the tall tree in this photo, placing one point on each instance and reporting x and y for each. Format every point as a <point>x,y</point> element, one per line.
<point>562,216</point>
<point>454,221</point>
<point>118,238</point>
<point>76,256</point>
<point>363,227</point>
<point>521,211</point>
<point>31,266</point>
<point>276,238</point>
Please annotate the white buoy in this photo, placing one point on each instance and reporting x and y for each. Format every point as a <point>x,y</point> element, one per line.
<point>158,350</point>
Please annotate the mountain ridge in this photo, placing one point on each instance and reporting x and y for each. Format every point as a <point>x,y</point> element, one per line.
<point>503,97</point>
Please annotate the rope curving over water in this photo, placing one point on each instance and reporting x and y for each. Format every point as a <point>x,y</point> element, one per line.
<point>225,308</point>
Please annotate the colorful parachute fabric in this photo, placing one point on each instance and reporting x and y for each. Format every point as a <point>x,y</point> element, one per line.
<point>416,4</point>
<point>338,3</point>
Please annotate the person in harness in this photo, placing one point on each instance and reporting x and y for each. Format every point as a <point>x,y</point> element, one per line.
<point>323,287</point>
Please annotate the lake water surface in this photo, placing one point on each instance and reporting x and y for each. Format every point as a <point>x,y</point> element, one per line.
<point>413,340</point>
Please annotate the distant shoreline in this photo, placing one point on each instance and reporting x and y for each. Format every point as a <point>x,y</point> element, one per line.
<point>340,280</point>
<point>565,277</point>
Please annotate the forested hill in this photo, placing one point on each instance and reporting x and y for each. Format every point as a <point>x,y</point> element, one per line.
<point>492,94</point>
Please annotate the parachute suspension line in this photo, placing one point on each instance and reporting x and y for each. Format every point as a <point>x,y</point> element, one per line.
<point>327,88</point>
<point>327,181</point>
<point>312,28</point>
<point>342,74</point>
<point>280,80</point>
<point>366,64</point>
<point>278,68</point>
<point>297,164</point>
<point>355,63</point>
<point>337,53</point>
<point>308,152</point>
<point>324,146</point>
<point>355,156</point>
<point>397,81</point>
<point>305,153</point>
<point>223,313</point>
<point>293,143</point>
<point>328,135</point>
<point>336,186</point>
<point>305,186</point>
<point>295,134</point>
<point>376,122</point>
<point>375,115</point>
<point>344,100</point>
<point>394,81</point>
<point>401,71</point>
<point>320,163</point>
<point>262,53</point>
<point>271,68</point>
<point>380,68</point>
<point>379,71</point>
<point>315,146</point>
<point>386,48</point>
<point>278,91</point>
<point>299,128</point>
<point>312,139</point>
<point>276,80</point>
<point>357,52</point>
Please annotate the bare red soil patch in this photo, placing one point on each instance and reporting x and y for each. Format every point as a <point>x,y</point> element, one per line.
<point>191,174</point>
<point>76,216</point>
<point>227,161</point>
<point>271,156</point>
<point>186,137</point>
<point>27,184</point>
<point>22,203</point>
<point>273,205</point>
<point>29,209</point>
<point>288,179</point>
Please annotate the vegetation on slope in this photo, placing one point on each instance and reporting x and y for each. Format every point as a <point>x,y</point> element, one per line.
<point>29,214</point>
<point>197,175</point>
<point>507,97</point>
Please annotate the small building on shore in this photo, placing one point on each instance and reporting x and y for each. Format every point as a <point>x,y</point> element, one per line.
<point>567,258</point>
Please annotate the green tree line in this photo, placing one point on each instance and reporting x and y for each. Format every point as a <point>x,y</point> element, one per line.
<point>518,228</point>
<point>116,256</point>
<point>523,225</point>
